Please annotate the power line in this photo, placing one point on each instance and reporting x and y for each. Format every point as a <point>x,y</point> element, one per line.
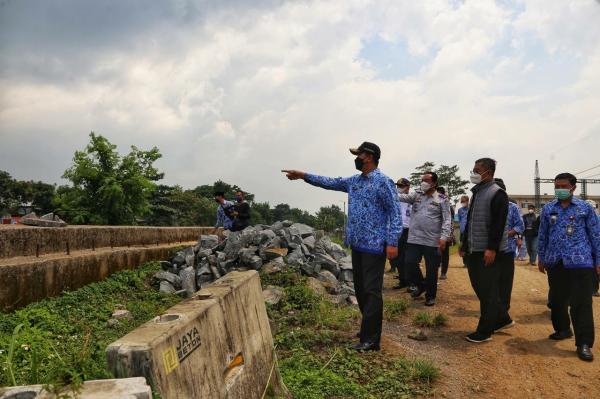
<point>587,177</point>
<point>587,170</point>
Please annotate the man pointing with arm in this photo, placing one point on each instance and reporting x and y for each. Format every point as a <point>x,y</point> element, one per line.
<point>374,226</point>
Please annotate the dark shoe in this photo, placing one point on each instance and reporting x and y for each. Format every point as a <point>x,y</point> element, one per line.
<point>417,293</point>
<point>504,326</point>
<point>399,286</point>
<point>411,289</point>
<point>585,353</point>
<point>560,335</point>
<point>430,302</point>
<point>443,277</point>
<point>597,294</point>
<point>478,338</point>
<point>397,277</point>
<point>358,334</point>
<point>366,347</point>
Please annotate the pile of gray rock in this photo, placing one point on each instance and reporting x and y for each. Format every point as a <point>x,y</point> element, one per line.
<point>261,247</point>
<point>47,220</point>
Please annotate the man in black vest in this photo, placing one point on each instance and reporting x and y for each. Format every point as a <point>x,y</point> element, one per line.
<point>483,247</point>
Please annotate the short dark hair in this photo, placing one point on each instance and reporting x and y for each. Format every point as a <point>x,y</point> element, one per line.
<point>441,190</point>
<point>488,163</point>
<point>566,176</point>
<point>531,206</point>
<point>219,194</point>
<point>434,176</point>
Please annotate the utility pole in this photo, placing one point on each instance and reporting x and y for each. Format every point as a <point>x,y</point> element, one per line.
<point>537,182</point>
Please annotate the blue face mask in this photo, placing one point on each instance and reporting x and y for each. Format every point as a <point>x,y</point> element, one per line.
<point>562,193</point>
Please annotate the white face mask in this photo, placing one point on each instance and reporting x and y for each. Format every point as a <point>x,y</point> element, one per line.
<point>403,190</point>
<point>425,186</point>
<point>464,204</point>
<point>531,211</point>
<point>475,178</point>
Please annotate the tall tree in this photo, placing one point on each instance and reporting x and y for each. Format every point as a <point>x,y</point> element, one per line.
<point>448,177</point>
<point>330,218</point>
<point>107,188</point>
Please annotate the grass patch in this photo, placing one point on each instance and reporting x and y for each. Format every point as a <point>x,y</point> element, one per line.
<point>393,308</point>
<point>62,341</point>
<point>426,319</point>
<point>312,338</point>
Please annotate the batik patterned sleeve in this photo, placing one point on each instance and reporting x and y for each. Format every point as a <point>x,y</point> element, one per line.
<point>592,224</point>
<point>391,206</point>
<point>328,183</point>
<point>543,234</point>
<point>220,217</point>
<point>517,221</point>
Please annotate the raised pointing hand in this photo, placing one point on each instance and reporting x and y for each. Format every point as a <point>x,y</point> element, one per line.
<point>294,174</point>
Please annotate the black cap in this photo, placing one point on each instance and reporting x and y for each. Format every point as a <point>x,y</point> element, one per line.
<point>403,182</point>
<point>219,193</point>
<point>367,147</point>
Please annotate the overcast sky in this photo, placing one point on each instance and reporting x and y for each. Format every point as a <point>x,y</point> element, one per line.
<point>237,90</point>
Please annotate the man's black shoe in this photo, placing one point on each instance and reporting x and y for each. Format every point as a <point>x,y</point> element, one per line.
<point>503,326</point>
<point>399,286</point>
<point>397,277</point>
<point>478,338</point>
<point>358,334</point>
<point>560,335</point>
<point>597,294</point>
<point>585,353</point>
<point>366,347</point>
<point>411,289</point>
<point>430,302</point>
<point>417,293</point>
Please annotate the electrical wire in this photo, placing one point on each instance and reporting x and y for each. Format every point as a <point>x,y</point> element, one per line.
<point>587,170</point>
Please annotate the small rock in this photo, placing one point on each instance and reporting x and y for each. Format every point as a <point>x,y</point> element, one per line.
<point>112,322</point>
<point>272,267</point>
<point>166,265</point>
<point>346,275</point>
<point>337,251</point>
<point>303,230</point>
<point>166,287</point>
<point>172,278</point>
<point>208,241</point>
<point>309,242</point>
<point>418,335</point>
<point>188,280</point>
<point>272,253</point>
<point>337,299</point>
<point>178,259</point>
<point>295,258</point>
<point>316,286</point>
<point>122,314</point>
<point>345,263</point>
<point>273,294</point>
<point>352,300</point>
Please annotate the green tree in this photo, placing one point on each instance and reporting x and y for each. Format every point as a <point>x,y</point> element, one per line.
<point>415,177</point>
<point>448,177</point>
<point>13,193</point>
<point>208,190</point>
<point>107,188</point>
<point>330,218</point>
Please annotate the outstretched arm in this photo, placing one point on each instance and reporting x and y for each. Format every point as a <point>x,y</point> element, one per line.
<point>328,183</point>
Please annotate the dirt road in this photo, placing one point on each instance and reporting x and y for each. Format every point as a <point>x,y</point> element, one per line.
<point>519,363</point>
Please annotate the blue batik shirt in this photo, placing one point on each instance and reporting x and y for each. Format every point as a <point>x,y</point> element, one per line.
<point>462,213</point>
<point>570,235</point>
<point>514,221</point>
<point>374,217</point>
<point>222,218</point>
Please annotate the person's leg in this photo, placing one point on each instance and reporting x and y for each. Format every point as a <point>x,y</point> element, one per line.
<point>432,265</point>
<point>529,245</point>
<point>357,273</point>
<point>581,284</point>
<point>412,259</point>
<point>506,279</point>
<point>558,281</point>
<point>533,253</point>
<point>596,289</point>
<point>484,280</point>
<point>445,259</point>
<point>374,266</point>
<point>403,275</point>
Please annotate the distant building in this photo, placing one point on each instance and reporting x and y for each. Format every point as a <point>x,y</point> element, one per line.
<point>525,200</point>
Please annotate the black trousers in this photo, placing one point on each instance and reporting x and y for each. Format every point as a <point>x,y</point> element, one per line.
<point>507,276</point>
<point>399,263</point>
<point>368,272</point>
<point>414,254</point>
<point>446,258</point>
<point>485,281</point>
<point>571,293</point>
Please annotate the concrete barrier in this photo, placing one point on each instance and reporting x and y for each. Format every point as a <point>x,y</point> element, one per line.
<point>27,280</point>
<point>217,344</point>
<point>32,241</point>
<point>128,388</point>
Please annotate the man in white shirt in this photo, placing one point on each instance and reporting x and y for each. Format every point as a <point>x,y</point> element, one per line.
<point>398,263</point>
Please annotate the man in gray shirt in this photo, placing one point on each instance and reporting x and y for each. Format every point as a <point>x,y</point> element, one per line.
<point>430,228</point>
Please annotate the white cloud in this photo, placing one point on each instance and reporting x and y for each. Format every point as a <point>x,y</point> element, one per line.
<point>240,93</point>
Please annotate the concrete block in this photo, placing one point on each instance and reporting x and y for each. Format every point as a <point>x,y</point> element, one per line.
<point>127,388</point>
<point>216,344</point>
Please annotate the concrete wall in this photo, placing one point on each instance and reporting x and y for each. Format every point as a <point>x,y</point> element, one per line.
<point>216,344</point>
<point>27,280</point>
<point>28,241</point>
<point>129,388</point>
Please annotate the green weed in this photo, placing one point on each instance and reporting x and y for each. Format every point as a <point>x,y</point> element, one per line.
<point>426,319</point>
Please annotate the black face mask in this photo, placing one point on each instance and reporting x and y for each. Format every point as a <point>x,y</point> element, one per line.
<point>359,163</point>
